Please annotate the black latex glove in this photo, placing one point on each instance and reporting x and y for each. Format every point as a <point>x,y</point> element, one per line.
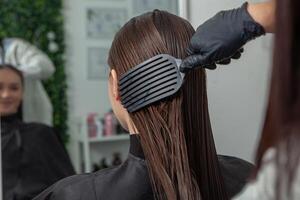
<point>221,38</point>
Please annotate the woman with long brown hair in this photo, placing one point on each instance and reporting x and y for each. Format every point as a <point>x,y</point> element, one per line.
<point>172,152</point>
<point>278,154</point>
<point>175,133</point>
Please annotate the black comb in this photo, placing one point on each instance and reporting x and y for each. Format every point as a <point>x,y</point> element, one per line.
<point>153,80</point>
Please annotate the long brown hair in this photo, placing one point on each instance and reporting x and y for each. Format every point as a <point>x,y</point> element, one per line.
<point>175,133</point>
<point>282,124</point>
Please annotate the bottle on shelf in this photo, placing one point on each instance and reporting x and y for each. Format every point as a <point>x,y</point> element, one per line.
<point>92,127</point>
<point>95,125</point>
<point>116,159</point>
<point>99,124</point>
<point>96,167</point>
<point>103,164</point>
<point>110,123</point>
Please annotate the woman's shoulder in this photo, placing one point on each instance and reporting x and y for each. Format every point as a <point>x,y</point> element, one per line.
<point>235,172</point>
<point>34,127</point>
<point>75,187</point>
<point>40,134</point>
<point>39,130</point>
<point>231,162</point>
<point>111,183</point>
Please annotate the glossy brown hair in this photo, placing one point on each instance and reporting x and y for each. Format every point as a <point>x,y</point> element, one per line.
<point>175,133</point>
<point>282,124</point>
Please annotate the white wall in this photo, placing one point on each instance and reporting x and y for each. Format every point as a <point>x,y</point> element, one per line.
<point>237,93</point>
<point>85,96</point>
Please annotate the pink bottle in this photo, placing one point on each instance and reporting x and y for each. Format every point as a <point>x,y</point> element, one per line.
<point>92,126</point>
<point>109,124</point>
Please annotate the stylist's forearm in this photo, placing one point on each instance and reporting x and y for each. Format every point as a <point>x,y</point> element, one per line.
<point>264,14</point>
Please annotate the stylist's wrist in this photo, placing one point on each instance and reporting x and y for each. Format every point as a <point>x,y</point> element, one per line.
<point>264,14</point>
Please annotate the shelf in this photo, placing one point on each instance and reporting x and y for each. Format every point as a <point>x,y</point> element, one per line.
<point>109,138</point>
<point>84,144</point>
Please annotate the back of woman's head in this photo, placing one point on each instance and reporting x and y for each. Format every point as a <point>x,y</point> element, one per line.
<point>175,133</point>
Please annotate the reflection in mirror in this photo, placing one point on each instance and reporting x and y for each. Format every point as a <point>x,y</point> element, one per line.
<point>33,107</point>
<point>33,155</point>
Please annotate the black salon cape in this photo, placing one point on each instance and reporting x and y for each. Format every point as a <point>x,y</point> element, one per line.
<point>130,180</point>
<point>33,158</point>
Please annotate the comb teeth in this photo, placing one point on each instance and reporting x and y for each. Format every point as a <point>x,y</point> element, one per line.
<point>150,81</point>
<point>148,84</point>
<point>141,70</point>
<point>146,77</point>
<point>150,89</point>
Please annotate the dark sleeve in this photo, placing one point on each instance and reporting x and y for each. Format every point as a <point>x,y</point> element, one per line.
<point>11,161</point>
<point>235,172</point>
<point>54,157</point>
<point>47,194</point>
<point>47,159</point>
<point>77,187</point>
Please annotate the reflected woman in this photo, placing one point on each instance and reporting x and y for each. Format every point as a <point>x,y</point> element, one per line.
<point>172,153</point>
<point>32,155</point>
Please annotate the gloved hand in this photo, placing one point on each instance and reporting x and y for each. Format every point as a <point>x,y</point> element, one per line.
<point>221,38</point>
